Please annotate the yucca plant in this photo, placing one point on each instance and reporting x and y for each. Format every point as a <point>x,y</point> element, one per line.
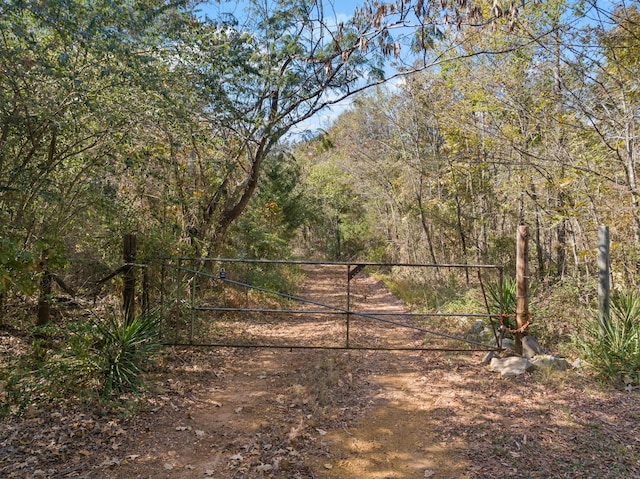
<point>625,306</point>
<point>612,347</point>
<point>505,296</point>
<point>124,348</point>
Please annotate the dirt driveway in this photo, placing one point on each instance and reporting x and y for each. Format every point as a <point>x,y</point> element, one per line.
<point>302,413</point>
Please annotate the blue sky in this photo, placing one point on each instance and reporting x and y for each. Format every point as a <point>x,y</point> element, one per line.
<point>343,8</point>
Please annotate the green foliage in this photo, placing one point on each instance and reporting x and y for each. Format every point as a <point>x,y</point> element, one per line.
<point>16,267</point>
<point>613,348</point>
<point>502,298</point>
<point>276,211</point>
<point>429,294</point>
<point>59,363</point>
<point>75,81</point>
<point>124,348</point>
<point>337,224</point>
<point>84,359</point>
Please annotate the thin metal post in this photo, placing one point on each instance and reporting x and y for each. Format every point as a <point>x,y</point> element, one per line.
<point>501,305</point>
<point>129,287</point>
<point>603,279</point>
<point>348,315</point>
<point>145,291</point>
<point>44,302</point>
<point>162,307</point>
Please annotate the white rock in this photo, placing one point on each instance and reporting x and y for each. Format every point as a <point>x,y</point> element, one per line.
<point>547,361</point>
<point>512,366</point>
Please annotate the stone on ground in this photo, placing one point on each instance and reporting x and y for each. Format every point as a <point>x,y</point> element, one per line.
<point>531,347</point>
<point>547,361</point>
<point>512,366</point>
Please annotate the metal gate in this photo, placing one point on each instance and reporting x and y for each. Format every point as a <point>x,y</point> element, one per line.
<point>223,302</point>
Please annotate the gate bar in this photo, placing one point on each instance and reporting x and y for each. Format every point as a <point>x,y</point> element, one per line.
<point>339,348</point>
<point>310,311</point>
<point>339,263</point>
<point>335,308</point>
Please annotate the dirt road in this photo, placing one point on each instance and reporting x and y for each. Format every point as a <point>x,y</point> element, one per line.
<point>302,413</point>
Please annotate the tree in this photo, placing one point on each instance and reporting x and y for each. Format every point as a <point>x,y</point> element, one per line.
<point>280,63</point>
<point>77,79</point>
<point>124,115</point>
<point>613,102</point>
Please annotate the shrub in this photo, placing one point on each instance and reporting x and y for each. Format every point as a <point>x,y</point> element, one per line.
<point>124,348</point>
<point>613,348</point>
<point>52,363</point>
<point>105,355</point>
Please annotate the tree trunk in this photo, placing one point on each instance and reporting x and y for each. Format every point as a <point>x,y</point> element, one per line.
<point>539,246</point>
<point>427,230</point>
<point>522,285</point>
<point>44,302</point>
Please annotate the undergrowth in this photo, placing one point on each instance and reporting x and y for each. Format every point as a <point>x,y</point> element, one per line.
<point>422,294</point>
<point>612,345</point>
<point>89,360</point>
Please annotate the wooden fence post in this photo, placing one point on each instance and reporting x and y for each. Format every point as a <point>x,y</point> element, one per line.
<point>522,285</point>
<point>129,277</point>
<point>603,279</point>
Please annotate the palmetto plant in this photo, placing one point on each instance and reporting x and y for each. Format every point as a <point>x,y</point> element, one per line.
<point>124,349</point>
<point>612,347</point>
<point>503,299</point>
<point>505,296</point>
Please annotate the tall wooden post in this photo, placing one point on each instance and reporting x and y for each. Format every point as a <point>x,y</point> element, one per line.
<point>603,278</point>
<point>129,277</point>
<point>522,284</point>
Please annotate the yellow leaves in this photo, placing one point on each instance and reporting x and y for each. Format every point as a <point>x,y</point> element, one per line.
<point>271,210</point>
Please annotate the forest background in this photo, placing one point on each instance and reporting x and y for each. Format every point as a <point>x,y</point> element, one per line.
<point>149,117</point>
